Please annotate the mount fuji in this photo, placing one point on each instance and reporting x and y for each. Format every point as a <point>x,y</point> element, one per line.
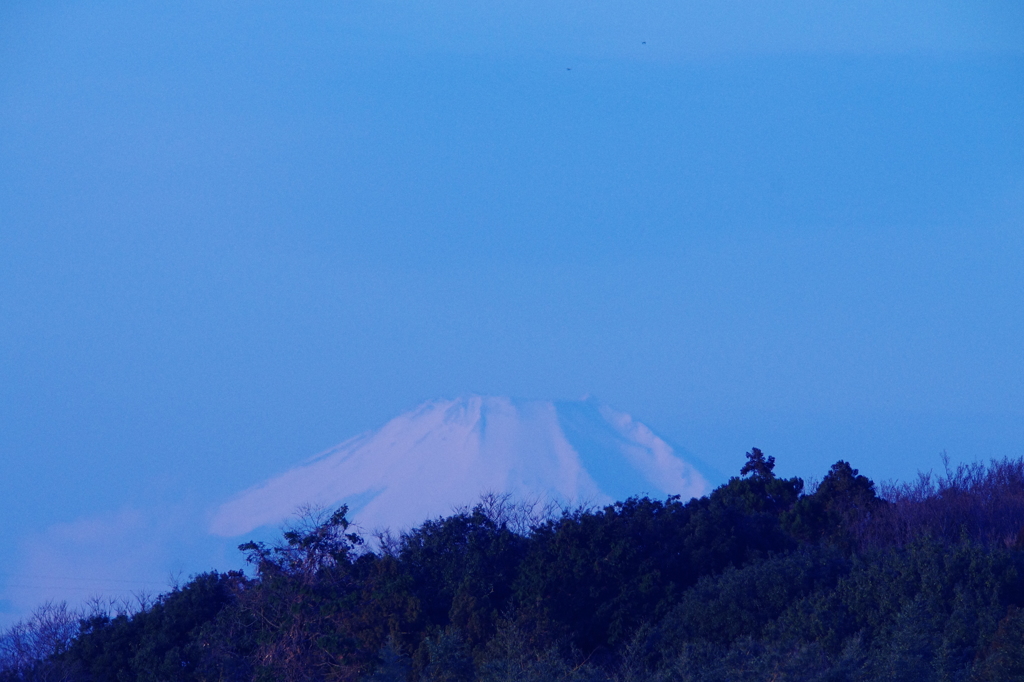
<point>447,453</point>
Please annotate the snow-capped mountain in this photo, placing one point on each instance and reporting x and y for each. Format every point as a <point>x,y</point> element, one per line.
<point>446,453</point>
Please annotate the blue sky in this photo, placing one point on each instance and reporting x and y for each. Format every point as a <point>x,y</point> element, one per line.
<point>233,234</point>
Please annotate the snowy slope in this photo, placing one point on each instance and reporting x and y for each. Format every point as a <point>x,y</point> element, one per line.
<point>447,453</point>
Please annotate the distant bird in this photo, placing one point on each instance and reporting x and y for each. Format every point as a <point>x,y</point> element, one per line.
<point>644,42</point>
<point>568,69</point>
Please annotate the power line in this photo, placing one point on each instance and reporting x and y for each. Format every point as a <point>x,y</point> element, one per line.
<point>61,588</point>
<point>24,576</point>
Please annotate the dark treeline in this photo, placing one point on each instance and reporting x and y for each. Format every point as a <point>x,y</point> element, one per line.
<point>760,580</point>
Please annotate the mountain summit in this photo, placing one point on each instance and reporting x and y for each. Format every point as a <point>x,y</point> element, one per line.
<point>447,453</point>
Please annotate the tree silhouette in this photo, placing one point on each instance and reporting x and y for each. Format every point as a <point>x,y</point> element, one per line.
<point>758,465</point>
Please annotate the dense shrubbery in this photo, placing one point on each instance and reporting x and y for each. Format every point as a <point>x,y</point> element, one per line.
<point>760,580</point>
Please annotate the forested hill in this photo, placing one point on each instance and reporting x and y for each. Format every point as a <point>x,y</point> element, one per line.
<point>760,580</point>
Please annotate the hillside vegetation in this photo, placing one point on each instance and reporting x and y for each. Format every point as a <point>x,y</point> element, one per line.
<point>760,580</point>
